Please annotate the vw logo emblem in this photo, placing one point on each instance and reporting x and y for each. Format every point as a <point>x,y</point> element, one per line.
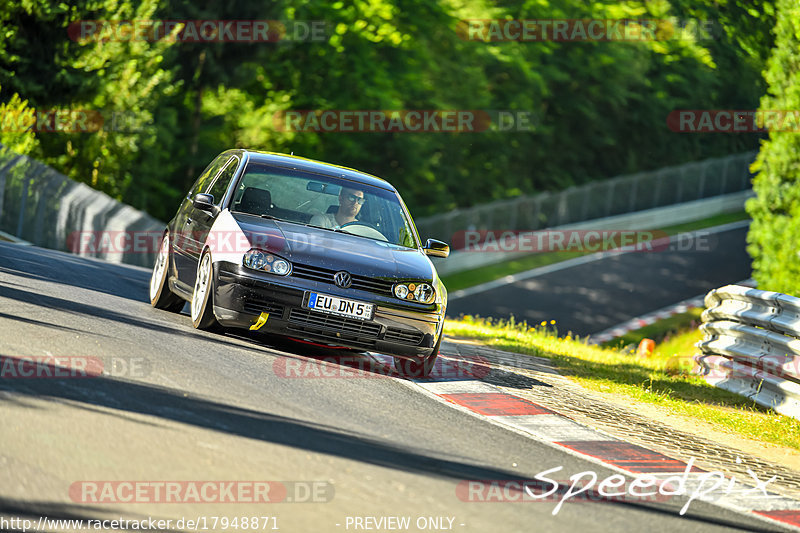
<point>342,279</point>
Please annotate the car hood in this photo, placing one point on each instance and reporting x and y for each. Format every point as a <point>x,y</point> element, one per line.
<point>334,250</point>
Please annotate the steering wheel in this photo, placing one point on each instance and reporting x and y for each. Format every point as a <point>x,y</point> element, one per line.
<point>367,230</point>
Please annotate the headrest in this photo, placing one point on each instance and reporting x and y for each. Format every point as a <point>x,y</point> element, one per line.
<point>255,201</point>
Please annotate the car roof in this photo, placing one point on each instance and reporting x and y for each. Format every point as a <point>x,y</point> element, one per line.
<point>319,167</point>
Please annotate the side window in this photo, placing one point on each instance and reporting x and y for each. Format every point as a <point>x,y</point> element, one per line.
<point>208,174</point>
<point>218,188</point>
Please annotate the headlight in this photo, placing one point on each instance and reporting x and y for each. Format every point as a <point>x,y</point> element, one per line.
<point>416,292</point>
<point>424,293</point>
<point>401,291</point>
<point>266,262</point>
<point>281,267</point>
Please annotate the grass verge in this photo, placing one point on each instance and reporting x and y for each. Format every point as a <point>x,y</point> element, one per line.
<point>470,278</point>
<point>664,379</point>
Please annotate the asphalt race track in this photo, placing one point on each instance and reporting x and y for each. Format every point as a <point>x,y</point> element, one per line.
<point>591,297</point>
<point>177,404</point>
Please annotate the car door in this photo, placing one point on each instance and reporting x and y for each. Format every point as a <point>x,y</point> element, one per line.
<point>199,222</point>
<point>182,230</point>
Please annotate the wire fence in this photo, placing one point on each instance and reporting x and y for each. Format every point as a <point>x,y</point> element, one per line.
<point>616,196</point>
<point>46,208</point>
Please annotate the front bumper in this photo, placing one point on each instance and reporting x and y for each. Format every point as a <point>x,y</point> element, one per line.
<point>241,295</point>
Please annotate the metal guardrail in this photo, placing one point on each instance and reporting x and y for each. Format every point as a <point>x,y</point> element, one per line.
<point>751,346</point>
<point>599,199</point>
<point>46,208</point>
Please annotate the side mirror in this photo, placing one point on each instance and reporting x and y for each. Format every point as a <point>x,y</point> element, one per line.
<point>203,202</point>
<point>436,248</point>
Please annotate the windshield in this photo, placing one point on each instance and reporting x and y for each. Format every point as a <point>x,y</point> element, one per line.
<point>325,202</point>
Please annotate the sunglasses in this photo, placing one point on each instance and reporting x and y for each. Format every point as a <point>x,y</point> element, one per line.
<point>352,198</point>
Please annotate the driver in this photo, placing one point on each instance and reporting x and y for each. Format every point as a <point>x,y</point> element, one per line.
<point>350,202</point>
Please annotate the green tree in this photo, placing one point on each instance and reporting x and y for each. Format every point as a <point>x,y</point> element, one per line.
<point>774,237</point>
<point>599,107</point>
<point>117,81</point>
<point>16,119</point>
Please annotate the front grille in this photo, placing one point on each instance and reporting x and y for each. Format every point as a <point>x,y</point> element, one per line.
<point>340,324</point>
<point>325,275</point>
<point>317,274</point>
<point>334,328</point>
<point>403,336</point>
<point>257,305</point>
<point>373,285</point>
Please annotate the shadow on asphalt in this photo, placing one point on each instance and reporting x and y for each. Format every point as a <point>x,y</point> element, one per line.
<point>167,404</point>
<point>60,267</point>
<point>88,310</point>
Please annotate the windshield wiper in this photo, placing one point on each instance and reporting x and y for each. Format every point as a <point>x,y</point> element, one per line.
<point>338,230</point>
<point>273,217</point>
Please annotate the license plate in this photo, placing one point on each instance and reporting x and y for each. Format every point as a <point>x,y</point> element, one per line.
<point>339,306</point>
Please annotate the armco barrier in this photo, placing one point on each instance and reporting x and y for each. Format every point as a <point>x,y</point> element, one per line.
<point>44,207</point>
<point>751,346</point>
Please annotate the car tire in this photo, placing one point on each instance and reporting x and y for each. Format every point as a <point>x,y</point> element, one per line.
<point>414,368</point>
<point>160,295</point>
<point>202,304</point>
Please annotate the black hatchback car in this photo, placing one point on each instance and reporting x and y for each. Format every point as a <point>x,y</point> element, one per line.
<point>309,250</point>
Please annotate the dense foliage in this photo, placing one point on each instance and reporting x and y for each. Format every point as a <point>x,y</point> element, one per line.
<point>774,238</point>
<point>599,108</point>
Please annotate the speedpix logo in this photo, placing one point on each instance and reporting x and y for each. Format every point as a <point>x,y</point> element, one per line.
<point>690,485</point>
